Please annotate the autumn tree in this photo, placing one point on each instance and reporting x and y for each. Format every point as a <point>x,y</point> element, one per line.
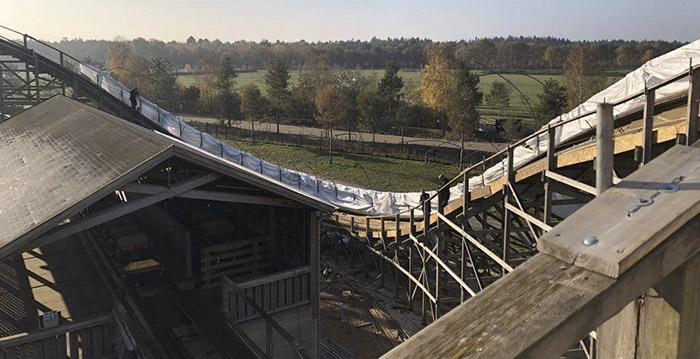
<point>125,66</point>
<point>277,83</point>
<point>253,105</point>
<point>205,80</point>
<point>331,110</point>
<point>315,74</point>
<point>582,77</point>
<point>227,100</point>
<point>551,102</point>
<point>436,79</point>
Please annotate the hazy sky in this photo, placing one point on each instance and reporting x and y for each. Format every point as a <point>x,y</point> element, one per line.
<point>313,20</point>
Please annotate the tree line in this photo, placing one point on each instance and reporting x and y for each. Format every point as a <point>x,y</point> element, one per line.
<point>446,98</point>
<point>509,53</point>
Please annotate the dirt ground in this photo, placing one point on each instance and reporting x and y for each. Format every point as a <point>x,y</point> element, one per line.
<point>359,314</point>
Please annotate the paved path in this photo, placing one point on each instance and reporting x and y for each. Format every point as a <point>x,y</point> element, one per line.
<point>356,136</point>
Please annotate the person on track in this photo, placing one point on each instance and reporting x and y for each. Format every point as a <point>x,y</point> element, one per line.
<point>132,97</point>
<point>443,192</point>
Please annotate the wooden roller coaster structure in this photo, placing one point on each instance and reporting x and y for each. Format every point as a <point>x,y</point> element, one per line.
<point>441,258</point>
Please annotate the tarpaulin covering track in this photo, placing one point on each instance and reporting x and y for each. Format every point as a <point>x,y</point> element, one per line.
<point>371,202</point>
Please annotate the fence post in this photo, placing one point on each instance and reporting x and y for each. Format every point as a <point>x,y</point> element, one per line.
<point>605,147</point>
<point>693,98</point>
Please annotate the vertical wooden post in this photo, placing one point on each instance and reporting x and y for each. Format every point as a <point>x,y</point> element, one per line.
<point>551,166</point>
<point>663,323</point>
<point>605,150</point>
<point>466,196</point>
<point>2,96</point>
<point>411,230</point>
<point>63,83</point>
<point>397,237</point>
<point>693,98</point>
<point>426,231</point>
<point>314,262</point>
<point>647,125</point>
<point>382,233</point>
<point>506,213</point>
<point>36,77</point>
<point>268,339</point>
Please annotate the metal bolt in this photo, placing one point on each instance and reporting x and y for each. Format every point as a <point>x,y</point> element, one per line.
<point>642,201</point>
<point>590,241</point>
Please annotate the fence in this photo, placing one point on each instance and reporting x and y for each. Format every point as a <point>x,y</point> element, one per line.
<point>88,339</point>
<point>272,293</point>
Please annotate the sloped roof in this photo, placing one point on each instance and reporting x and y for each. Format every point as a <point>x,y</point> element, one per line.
<point>60,156</point>
<point>59,153</point>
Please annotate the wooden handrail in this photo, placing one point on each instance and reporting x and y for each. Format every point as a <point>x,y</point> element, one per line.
<point>275,277</point>
<point>52,332</point>
<point>563,293</point>
<point>271,322</point>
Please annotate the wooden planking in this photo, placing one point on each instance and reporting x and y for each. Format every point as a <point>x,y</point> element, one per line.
<point>544,306</point>
<point>614,216</point>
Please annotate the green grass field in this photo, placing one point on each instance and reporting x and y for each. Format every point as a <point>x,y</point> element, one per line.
<point>375,172</point>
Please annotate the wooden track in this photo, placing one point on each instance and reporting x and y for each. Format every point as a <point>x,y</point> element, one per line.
<point>667,126</point>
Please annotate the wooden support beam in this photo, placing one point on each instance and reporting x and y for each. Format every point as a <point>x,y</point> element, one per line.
<point>213,196</point>
<point>121,210</point>
<point>693,98</point>
<point>544,306</point>
<point>662,323</point>
<point>651,202</point>
<point>605,147</point>
<point>405,272</point>
<point>570,182</point>
<point>476,243</point>
<point>647,125</point>
<point>506,214</point>
<point>529,218</point>
<point>551,166</point>
<point>444,266</point>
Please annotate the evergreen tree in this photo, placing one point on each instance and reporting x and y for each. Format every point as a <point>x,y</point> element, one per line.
<point>464,99</point>
<point>277,81</point>
<point>162,86</point>
<point>389,89</point>
<point>551,102</point>
<point>227,100</point>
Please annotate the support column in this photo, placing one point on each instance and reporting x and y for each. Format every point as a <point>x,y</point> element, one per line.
<point>506,213</point>
<point>647,125</point>
<point>2,95</point>
<point>604,148</point>
<point>662,324</point>
<point>551,166</point>
<point>314,263</point>
<point>693,98</point>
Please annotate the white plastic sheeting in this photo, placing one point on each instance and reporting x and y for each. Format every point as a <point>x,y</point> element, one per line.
<point>371,202</point>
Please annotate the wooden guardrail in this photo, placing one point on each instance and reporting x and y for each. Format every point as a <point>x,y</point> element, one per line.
<point>641,236</point>
<point>238,258</point>
<point>273,293</point>
<point>271,324</point>
<point>87,339</point>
